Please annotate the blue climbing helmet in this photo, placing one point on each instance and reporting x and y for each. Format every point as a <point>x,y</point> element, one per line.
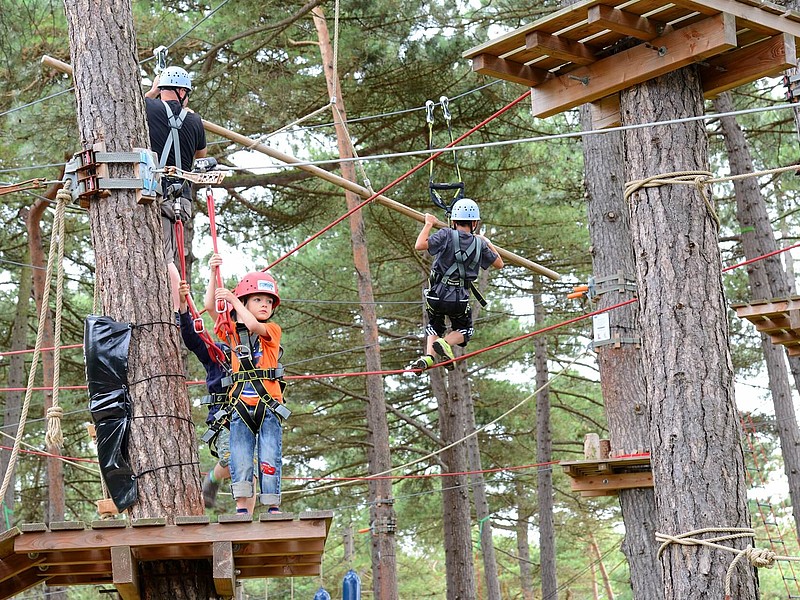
<point>175,77</point>
<point>465,210</point>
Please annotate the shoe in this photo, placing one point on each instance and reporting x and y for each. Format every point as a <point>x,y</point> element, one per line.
<point>274,510</point>
<point>423,362</point>
<point>210,490</point>
<point>444,350</point>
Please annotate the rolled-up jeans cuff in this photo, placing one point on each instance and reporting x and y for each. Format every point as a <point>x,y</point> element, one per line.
<point>269,499</point>
<point>242,489</point>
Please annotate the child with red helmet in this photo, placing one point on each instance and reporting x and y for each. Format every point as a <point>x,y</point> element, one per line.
<point>256,386</point>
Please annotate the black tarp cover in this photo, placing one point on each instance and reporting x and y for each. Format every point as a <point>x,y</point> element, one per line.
<point>105,349</point>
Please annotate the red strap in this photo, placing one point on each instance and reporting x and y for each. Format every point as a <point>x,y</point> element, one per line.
<point>223,324</point>
<point>214,351</point>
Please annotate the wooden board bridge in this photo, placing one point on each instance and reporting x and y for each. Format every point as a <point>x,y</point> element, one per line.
<point>109,551</point>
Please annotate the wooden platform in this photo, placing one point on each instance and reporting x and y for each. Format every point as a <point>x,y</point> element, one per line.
<point>108,552</point>
<point>591,50</point>
<point>778,318</point>
<point>606,476</point>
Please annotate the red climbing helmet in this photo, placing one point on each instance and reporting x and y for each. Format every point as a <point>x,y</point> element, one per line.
<point>258,283</point>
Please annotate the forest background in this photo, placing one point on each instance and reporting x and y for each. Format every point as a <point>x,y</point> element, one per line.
<point>256,68</point>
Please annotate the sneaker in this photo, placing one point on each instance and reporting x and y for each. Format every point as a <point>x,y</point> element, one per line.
<point>444,350</point>
<point>423,362</point>
<point>274,510</point>
<point>210,489</point>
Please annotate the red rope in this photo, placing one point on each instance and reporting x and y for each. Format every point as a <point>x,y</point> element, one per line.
<point>223,326</point>
<point>398,180</point>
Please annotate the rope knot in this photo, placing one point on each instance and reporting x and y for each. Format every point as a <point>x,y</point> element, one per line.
<point>761,558</point>
<point>54,436</point>
<point>64,195</point>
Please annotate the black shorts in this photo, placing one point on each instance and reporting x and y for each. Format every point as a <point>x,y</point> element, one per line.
<point>460,315</point>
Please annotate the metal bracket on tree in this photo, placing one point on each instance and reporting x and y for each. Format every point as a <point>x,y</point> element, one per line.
<point>598,286</point>
<point>88,172</point>
<point>617,341</point>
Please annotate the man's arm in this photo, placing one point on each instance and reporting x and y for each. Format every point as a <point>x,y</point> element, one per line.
<point>498,261</point>
<point>153,92</point>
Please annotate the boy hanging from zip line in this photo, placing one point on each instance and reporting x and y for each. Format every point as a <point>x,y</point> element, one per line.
<point>217,399</point>
<point>256,391</point>
<point>459,254</point>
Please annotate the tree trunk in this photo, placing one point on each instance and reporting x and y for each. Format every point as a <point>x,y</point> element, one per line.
<point>523,545</point>
<point>461,583</point>
<point>696,456</point>
<point>16,379</point>
<point>382,514</point>
<point>544,453</point>
<point>757,239</point>
<point>134,288</point>
<point>621,369</point>
<point>478,483</point>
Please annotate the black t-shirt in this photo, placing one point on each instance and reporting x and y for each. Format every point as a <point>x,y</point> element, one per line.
<point>191,135</point>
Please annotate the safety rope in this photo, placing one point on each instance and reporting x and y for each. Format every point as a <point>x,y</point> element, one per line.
<point>390,185</point>
<point>759,557</point>
<point>359,164</point>
<point>54,436</point>
<point>51,259</point>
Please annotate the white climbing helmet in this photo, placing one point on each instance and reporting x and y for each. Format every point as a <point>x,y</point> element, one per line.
<point>175,77</point>
<point>465,210</point>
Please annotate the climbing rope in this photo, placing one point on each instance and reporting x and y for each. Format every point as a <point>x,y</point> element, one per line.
<point>758,557</point>
<point>51,259</point>
<point>699,179</point>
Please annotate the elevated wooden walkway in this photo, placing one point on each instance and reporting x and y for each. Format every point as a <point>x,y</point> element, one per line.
<point>590,50</point>
<point>108,552</point>
<point>606,476</point>
<point>779,318</point>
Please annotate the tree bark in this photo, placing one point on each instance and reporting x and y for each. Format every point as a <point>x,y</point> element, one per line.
<point>461,584</point>
<point>544,453</point>
<point>134,288</point>
<point>382,514</point>
<point>523,545</point>
<point>621,370</point>
<point>757,239</point>
<point>696,456</point>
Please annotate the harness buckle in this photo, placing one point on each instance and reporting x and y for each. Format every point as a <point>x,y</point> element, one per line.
<point>199,326</point>
<point>243,351</point>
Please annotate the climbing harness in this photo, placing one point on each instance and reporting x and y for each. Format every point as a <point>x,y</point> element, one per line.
<point>245,371</point>
<point>434,187</point>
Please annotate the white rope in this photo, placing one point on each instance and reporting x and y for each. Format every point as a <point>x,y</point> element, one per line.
<point>451,445</point>
<point>12,461</point>
<point>335,51</point>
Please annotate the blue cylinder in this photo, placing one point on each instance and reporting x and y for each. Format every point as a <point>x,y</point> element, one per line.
<point>351,586</point>
<point>322,594</point>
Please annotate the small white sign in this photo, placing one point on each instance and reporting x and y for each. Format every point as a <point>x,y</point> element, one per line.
<point>602,327</point>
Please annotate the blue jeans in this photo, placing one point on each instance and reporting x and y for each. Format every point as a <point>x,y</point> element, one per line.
<point>268,444</point>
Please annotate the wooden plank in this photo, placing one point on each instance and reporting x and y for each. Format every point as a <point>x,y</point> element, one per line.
<point>223,569</point>
<point>775,306</point>
<point>67,580</point>
<point>508,70</point>
<point>561,48</point>
<point>100,568</point>
<point>265,561</point>
<point>170,535</point>
<point>125,572</point>
<point>636,65</point>
<point>174,552</point>
<point>76,558</point>
<point>785,338</point>
<point>750,16</point>
<point>13,565</point>
<point>18,584</point>
<point>624,22</point>
<point>773,325</point>
<point>616,481</point>
<point>281,548</point>
<point>7,541</point>
<point>279,571</point>
<point>736,68</point>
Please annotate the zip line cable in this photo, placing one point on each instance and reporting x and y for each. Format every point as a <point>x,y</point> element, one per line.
<point>398,179</point>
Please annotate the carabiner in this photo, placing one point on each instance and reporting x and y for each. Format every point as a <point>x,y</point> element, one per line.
<point>161,59</point>
<point>429,106</point>
<point>445,107</point>
<point>245,351</point>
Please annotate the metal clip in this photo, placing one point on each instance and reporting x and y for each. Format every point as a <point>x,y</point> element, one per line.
<point>429,105</point>
<point>445,107</point>
<point>161,59</point>
<point>243,351</point>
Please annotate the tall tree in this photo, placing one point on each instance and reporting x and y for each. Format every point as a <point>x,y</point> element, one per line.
<point>544,454</point>
<point>621,370</point>
<point>767,280</point>
<point>134,288</point>
<point>694,427</point>
<point>382,515</point>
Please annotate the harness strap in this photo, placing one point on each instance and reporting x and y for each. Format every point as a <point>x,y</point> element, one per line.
<point>472,253</point>
<point>175,123</point>
<point>271,374</point>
